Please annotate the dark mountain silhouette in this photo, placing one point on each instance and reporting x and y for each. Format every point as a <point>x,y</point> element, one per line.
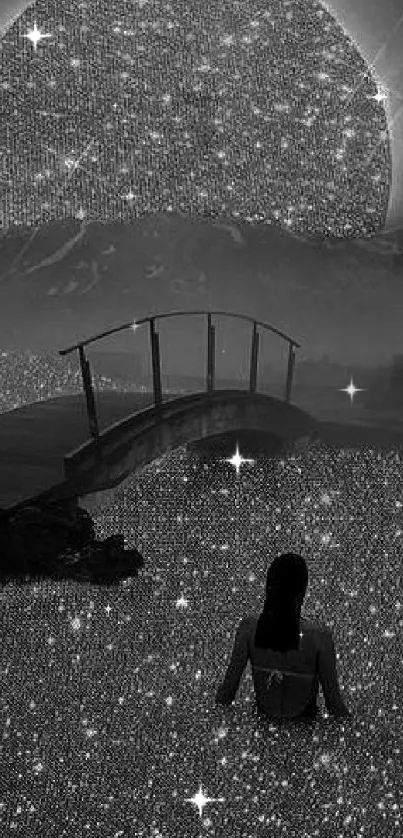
<point>70,278</point>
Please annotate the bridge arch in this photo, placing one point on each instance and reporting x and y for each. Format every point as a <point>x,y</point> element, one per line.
<point>111,455</point>
<point>142,437</point>
<point>156,361</point>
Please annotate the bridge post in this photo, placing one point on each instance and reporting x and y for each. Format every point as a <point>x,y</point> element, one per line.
<point>155,355</point>
<point>253,359</point>
<point>290,372</point>
<point>210,354</point>
<point>89,395</point>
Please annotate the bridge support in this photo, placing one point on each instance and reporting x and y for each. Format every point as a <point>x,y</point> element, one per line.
<point>254,359</point>
<point>156,362</point>
<point>89,395</point>
<point>210,354</point>
<point>290,372</point>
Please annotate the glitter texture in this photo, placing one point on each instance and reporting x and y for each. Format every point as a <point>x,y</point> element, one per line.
<point>109,718</point>
<point>259,111</point>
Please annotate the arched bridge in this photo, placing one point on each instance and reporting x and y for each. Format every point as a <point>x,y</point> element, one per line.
<point>126,445</point>
<point>57,449</point>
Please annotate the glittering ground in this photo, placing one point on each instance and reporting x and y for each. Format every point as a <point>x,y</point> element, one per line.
<point>258,109</point>
<point>109,725</point>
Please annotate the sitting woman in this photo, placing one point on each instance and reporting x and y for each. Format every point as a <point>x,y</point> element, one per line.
<point>290,655</point>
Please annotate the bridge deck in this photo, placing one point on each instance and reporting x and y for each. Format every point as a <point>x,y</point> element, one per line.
<point>35,438</point>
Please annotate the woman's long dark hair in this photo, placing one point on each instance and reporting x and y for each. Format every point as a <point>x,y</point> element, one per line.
<point>278,627</point>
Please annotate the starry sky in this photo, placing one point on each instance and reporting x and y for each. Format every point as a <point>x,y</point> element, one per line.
<point>251,109</point>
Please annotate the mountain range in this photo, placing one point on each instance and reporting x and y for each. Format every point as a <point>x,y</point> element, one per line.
<point>72,277</point>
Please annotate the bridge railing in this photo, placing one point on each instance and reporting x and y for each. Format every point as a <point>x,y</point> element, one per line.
<point>156,362</point>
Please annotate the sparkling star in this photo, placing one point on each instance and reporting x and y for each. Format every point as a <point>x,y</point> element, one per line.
<point>237,460</point>
<point>380,97</point>
<point>182,602</point>
<point>35,36</point>
<point>351,390</point>
<point>200,800</point>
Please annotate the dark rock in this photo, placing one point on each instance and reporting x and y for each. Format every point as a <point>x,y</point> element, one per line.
<point>58,540</point>
<point>28,544</point>
<point>108,560</point>
<point>69,523</point>
<point>37,534</point>
<point>103,561</point>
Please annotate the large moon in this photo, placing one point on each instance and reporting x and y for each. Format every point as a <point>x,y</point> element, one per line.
<point>246,182</point>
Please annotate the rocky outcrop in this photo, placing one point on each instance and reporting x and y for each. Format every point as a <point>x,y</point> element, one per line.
<point>101,562</point>
<point>58,540</point>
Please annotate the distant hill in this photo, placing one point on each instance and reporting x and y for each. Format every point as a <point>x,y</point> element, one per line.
<point>63,281</point>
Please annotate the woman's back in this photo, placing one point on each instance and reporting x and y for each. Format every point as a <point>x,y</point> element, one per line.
<point>286,683</point>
